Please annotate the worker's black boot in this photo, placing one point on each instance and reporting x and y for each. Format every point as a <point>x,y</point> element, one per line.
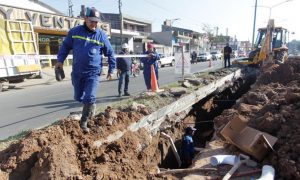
<point>88,111</point>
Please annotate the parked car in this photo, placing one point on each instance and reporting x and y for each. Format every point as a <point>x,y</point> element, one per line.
<point>216,55</point>
<point>205,57</point>
<point>234,54</point>
<point>242,54</point>
<point>166,60</point>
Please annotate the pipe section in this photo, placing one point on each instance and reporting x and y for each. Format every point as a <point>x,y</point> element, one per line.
<point>173,147</point>
<point>268,173</point>
<point>223,159</point>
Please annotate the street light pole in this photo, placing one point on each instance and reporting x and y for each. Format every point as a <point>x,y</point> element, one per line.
<point>254,22</point>
<point>270,12</point>
<point>171,22</point>
<point>121,21</point>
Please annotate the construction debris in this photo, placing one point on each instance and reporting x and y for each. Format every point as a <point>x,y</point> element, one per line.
<point>62,151</point>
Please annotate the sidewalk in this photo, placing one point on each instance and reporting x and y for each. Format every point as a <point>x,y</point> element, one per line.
<point>49,77</point>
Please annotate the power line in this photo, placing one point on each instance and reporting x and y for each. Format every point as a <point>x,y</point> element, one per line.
<point>171,12</point>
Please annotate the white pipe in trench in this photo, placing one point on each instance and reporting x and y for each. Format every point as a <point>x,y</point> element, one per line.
<point>223,159</point>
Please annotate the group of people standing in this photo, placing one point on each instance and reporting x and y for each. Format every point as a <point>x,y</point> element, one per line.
<point>88,44</point>
<point>124,65</point>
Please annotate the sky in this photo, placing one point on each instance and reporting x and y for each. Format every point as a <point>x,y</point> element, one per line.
<point>231,17</point>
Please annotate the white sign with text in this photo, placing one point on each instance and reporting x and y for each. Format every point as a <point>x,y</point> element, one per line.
<point>182,60</point>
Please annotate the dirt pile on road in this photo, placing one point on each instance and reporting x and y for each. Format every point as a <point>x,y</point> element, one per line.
<point>273,106</point>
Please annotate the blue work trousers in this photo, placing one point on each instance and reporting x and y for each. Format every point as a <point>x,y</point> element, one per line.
<point>227,61</point>
<point>85,87</point>
<point>124,75</point>
<point>147,78</point>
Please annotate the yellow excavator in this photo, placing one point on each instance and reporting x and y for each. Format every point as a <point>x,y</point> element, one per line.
<point>271,42</point>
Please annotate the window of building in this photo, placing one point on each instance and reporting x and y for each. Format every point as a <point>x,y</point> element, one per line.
<point>49,44</point>
<point>132,27</point>
<point>141,28</point>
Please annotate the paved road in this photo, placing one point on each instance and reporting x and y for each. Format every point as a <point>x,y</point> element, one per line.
<point>35,106</point>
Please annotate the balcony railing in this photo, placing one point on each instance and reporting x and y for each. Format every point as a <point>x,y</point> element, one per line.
<point>142,33</point>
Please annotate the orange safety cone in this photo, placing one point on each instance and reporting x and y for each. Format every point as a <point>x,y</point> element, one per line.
<point>154,85</point>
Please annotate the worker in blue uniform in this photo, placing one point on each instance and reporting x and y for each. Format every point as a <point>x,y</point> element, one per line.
<point>124,70</point>
<point>151,59</point>
<point>187,147</point>
<point>88,44</point>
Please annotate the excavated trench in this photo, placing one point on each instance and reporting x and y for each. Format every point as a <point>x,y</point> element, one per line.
<point>127,143</point>
<point>202,114</point>
<point>122,144</point>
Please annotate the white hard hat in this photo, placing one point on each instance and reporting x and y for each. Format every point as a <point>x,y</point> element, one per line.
<point>125,46</point>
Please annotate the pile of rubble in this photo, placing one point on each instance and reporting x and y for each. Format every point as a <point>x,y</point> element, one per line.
<point>62,151</point>
<point>273,106</point>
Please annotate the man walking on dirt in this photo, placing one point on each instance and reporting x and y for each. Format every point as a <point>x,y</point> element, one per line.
<point>88,44</point>
<point>124,70</point>
<point>227,54</point>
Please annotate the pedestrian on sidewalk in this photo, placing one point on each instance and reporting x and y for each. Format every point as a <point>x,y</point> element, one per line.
<point>194,57</point>
<point>187,147</point>
<point>151,59</point>
<point>124,70</point>
<point>227,53</point>
<point>88,44</point>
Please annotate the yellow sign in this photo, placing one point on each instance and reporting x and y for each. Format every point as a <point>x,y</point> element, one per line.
<point>28,68</point>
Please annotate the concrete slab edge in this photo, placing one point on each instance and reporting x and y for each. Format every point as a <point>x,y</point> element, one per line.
<point>153,121</point>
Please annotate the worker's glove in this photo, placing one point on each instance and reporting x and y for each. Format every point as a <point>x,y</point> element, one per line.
<point>59,73</point>
<point>118,72</point>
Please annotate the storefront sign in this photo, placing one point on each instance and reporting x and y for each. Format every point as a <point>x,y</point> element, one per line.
<point>45,20</point>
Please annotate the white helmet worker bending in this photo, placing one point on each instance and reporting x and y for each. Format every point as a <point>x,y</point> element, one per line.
<point>125,46</point>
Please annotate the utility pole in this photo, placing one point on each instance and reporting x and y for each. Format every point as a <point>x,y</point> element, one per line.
<point>121,22</point>
<point>254,22</point>
<point>217,32</point>
<point>70,5</point>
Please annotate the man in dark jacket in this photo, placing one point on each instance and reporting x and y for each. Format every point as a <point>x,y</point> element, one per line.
<point>194,57</point>
<point>227,54</point>
<point>124,70</point>
<point>148,61</point>
<point>88,44</point>
<point>187,147</point>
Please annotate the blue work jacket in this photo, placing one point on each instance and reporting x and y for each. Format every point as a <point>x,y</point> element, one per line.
<point>150,61</point>
<point>124,63</point>
<point>88,47</point>
<point>187,149</point>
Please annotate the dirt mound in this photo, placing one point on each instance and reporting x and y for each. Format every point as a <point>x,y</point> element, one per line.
<point>273,106</point>
<point>62,151</point>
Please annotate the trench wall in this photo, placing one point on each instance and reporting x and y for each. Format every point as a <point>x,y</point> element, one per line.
<point>153,121</point>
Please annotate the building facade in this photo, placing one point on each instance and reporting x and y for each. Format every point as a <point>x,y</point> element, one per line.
<point>50,26</point>
<point>134,31</point>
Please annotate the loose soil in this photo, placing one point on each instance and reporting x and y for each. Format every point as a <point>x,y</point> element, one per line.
<point>62,151</point>
<point>273,106</point>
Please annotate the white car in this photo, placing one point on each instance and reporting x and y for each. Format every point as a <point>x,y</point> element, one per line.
<point>216,55</point>
<point>170,60</point>
<point>205,56</point>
